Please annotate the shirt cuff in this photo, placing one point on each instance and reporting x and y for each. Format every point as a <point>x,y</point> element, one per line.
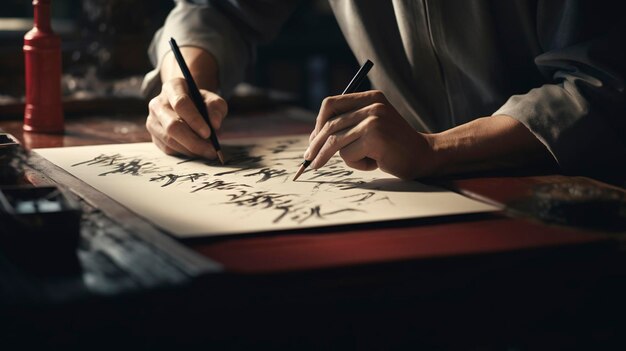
<point>563,120</point>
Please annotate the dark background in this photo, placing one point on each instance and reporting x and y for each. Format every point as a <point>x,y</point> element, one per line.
<point>107,40</point>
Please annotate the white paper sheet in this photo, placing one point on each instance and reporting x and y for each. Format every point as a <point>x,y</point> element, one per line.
<point>254,192</point>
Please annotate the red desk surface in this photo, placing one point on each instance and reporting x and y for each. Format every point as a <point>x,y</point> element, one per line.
<point>292,251</point>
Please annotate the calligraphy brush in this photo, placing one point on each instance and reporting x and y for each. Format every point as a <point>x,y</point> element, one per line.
<point>351,88</point>
<point>196,97</point>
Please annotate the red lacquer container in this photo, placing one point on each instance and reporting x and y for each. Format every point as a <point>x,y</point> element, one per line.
<point>42,55</point>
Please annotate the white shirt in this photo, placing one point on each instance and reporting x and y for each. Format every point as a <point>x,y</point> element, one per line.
<point>556,66</point>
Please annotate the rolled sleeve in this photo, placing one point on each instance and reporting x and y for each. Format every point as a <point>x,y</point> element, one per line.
<point>581,115</point>
<point>229,30</point>
<point>203,26</point>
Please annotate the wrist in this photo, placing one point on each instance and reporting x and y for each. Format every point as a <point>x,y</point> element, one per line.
<point>201,64</point>
<point>486,143</point>
<point>442,149</point>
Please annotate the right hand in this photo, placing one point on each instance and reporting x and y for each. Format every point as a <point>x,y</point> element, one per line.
<point>175,124</point>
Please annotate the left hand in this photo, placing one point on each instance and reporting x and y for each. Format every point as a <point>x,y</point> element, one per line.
<point>369,133</point>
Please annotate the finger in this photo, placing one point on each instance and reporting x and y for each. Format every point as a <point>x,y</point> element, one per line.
<point>181,102</point>
<point>336,105</point>
<point>173,150</point>
<point>216,107</point>
<point>334,143</point>
<point>166,149</point>
<point>333,126</point>
<point>181,134</point>
<point>355,155</point>
<point>177,130</point>
<point>157,132</point>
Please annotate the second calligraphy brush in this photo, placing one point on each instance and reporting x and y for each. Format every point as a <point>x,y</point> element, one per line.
<point>351,88</point>
<point>196,97</point>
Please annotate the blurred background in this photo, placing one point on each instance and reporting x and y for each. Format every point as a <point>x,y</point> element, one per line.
<point>105,44</point>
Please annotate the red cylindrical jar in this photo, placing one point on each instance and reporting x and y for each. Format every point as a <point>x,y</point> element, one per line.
<point>42,54</point>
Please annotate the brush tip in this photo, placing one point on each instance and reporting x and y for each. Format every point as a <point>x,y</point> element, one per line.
<point>300,170</point>
<point>220,156</point>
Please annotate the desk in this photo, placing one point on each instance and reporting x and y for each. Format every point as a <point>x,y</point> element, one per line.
<point>489,267</point>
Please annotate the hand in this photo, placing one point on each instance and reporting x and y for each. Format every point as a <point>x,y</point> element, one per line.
<point>175,124</point>
<point>369,133</point>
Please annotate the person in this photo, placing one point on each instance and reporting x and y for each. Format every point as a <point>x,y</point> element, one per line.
<point>462,86</point>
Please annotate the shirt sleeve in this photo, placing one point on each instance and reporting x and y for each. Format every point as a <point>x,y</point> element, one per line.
<point>229,30</point>
<point>580,113</point>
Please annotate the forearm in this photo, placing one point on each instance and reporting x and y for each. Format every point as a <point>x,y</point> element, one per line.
<point>201,63</point>
<point>494,142</point>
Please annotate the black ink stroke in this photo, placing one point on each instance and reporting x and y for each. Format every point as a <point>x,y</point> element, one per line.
<point>134,167</point>
<point>218,185</point>
<point>317,213</point>
<point>267,174</point>
<point>288,205</point>
<point>102,159</point>
<point>122,165</point>
<point>360,197</point>
<point>171,178</point>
